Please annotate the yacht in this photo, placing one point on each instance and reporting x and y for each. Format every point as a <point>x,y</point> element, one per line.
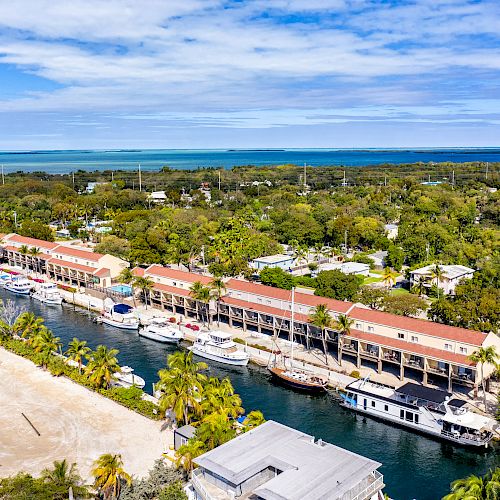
<point>430,411</point>
<point>126,378</point>
<point>19,285</point>
<point>4,278</point>
<point>47,293</point>
<point>162,331</point>
<point>118,315</point>
<point>218,346</point>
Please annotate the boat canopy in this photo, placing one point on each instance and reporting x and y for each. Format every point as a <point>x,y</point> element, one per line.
<point>426,393</point>
<point>122,308</point>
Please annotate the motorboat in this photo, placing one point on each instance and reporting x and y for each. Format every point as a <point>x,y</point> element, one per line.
<point>47,293</point>
<point>118,315</point>
<point>19,285</point>
<point>127,378</point>
<point>218,346</point>
<point>423,409</point>
<point>4,278</point>
<point>162,331</point>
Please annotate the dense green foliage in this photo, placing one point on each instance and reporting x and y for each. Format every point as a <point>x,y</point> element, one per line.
<point>474,487</point>
<point>337,285</point>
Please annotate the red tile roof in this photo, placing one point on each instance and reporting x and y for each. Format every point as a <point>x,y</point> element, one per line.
<point>103,272</point>
<point>166,272</point>
<point>171,289</point>
<point>419,326</point>
<point>138,271</point>
<point>72,265</point>
<point>24,240</point>
<point>286,295</point>
<point>76,252</point>
<point>411,347</point>
<point>40,255</point>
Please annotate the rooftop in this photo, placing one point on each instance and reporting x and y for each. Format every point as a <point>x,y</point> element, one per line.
<point>273,259</point>
<point>450,272</point>
<point>25,240</point>
<point>309,469</point>
<point>76,252</point>
<point>167,272</point>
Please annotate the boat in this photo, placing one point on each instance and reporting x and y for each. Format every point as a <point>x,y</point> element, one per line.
<point>127,378</point>
<point>118,315</point>
<point>4,278</point>
<point>19,285</point>
<point>47,293</point>
<point>218,346</point>
<point>162,331</point>
<point>422,409</point>
<point>291,376</point>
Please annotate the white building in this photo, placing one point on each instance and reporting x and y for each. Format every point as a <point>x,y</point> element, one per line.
<point>391,230</point>
<point>344,267</point>
<point>157,197</point>
<point>451,276</point>
<point>285,262</point>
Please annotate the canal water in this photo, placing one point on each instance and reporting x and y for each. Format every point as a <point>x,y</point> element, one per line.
<point>414,466</point>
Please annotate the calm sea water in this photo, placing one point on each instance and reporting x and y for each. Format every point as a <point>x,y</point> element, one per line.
<point>414,466</point>
<point>58,162</point>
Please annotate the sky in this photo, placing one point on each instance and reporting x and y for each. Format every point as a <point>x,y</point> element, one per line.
<point>249,73</point>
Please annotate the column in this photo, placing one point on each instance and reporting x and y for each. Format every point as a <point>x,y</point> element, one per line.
<point>450,380</point>
<point>379,361</point>
<point>339,351</point>
<point>358,356</point>
<point>401,367</point>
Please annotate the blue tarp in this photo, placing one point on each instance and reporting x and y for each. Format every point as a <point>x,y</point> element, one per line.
<point>122,308</point>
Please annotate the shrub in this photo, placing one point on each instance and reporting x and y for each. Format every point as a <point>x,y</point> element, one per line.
<point>173,491</point>
<point>355,374</point>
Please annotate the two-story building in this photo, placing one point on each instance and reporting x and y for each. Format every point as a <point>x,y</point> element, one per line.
<point>274,462</point>
<point>449,279</point>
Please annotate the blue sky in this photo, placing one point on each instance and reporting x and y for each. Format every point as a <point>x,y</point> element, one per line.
<point>261,73</point>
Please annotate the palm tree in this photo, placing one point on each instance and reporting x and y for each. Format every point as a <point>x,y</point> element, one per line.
<point>484,355</point>
<point>23,250</point>
<point>108,475</point>
<point>145,285</point>
<point>437,274</point>
<point>389,277</point>
<point>202,294</point>
<point>419,285</point>
<point>219,397</point>
<point>215,429</point>
<point>45,343</point>
<point>253,420</point>
<point>28,325</point>
<point>102,365</point>
<point>182,385</point>
<point>35,252</point>
<point>321,318</point>
<point>128,277</point>
<point>62,477</point>
<point>187,454</point>
<point>476,488</point>
<point>344,324</point>
<point>78,351</point>
<point>218,290</point>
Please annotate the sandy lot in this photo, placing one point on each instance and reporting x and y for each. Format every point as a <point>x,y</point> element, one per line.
<point>74,423</point>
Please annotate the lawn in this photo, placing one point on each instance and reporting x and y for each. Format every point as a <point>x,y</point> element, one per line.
<point>399,291</point>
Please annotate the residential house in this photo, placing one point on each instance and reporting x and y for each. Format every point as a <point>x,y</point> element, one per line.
<point>284,262</point>
<point>450,276</point>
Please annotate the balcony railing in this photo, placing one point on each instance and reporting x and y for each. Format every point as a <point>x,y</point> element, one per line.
<point>369,491</point>
<point>198,485</point>
<point>436,370</point>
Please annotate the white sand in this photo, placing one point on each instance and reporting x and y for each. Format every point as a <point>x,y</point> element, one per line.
<point>74,423</point>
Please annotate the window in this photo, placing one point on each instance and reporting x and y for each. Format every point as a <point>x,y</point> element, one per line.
<point>371,329</point>
<point>174,283</point>
<point>373,404</point>
<point>416,418</point>
<point>463,350</point>
<point>401,335</point>
<point>364,403</point>
<point>448,347</point>
<point>358,326</point>
<point>409,416</point>
<point>414,338</point>
<point>268,301</point>
<point>386,407</point>
<point>401,414</point>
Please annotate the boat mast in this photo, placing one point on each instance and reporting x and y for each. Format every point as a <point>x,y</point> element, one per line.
<point>292,326</point>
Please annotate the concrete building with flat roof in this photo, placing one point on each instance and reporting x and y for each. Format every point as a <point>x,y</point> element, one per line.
<point>276,462</point>
<point>450,276</point>
<point>285,262</point>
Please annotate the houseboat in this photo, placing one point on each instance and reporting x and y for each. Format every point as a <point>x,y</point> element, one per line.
<point>47,293</point>
<point>118,315</point>
<point>162,331</point>
<point>218,346</point>
<point>424,409</point>
<point>127,378</point>
<point>19,285</point>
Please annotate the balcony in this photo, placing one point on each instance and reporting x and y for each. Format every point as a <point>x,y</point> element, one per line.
<point>207,490</point>
<point>438,370</point>
<point>464,378</point>
<point>350,348</point>
<point>415,363</point>
<point>369,351</point>
<point>392,356</point>
<point>375,484</point>
<point>251,316</point>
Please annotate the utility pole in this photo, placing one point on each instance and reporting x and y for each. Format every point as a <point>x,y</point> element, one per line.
<point>305,176</point>
<point>15,220</point>
<point>344,183</point>
<point>345,241</point>
<point>140,178</point>
<point>112,176</point>
<point>385,180</point>
<point>73,179</point>
<point>219,180</point>
<point>453,178</point>
<point>3,177</point>
<point>487,165</point>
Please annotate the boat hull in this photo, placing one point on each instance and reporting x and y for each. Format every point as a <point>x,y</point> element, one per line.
<point>158,338</point>
<point>309,387</point>
<point>117,324</point>
<point>219,359</point>
<point>18,291</point>
<point>46,300</point>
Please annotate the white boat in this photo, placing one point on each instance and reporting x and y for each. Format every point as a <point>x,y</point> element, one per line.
<point>126,378</point>
<point>4,278</point>
<point>47,293</point>
<point>424,409</point>
<point>19,285</point>
<point>218,346</point>
<point>162,331</point>
<point>119,315</point>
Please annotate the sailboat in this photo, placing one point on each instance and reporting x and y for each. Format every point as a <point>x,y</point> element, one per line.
<point>293,377</point>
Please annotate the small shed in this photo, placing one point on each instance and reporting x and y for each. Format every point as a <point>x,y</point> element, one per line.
<point>182,435</point>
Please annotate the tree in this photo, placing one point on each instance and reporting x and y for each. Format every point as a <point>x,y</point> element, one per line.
<point>277,277</point>
<point>337,285</point>
<point>45,343</point>
<point>219,397</point>
<point>437,274</point>
<point>395,257</point>
<point>343,324</point>
<point>476,488</point>
<point>62,477</point>
<point>188,453</point>
<point>389,277</point>
<point>218,290</point>
<point>102,365</point>
<point>36,229</point>
<point>108,475</point>
<point>372,296</point>
<point>404,305</point>
<point>201,293</point>
<point>25,487</point>
<point>419,286</point>
<point>215,429</point>
<point>321,318</point>
<point>78,351</point>
<point>128,277</point>
<point>35,252</point>
<point>9,313</point>
<point>253,420</point>
<point>174,491</point>
<point>485,356</point>
<point>145,285</point>
<point>28,325</point>
<point>113,245</point>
